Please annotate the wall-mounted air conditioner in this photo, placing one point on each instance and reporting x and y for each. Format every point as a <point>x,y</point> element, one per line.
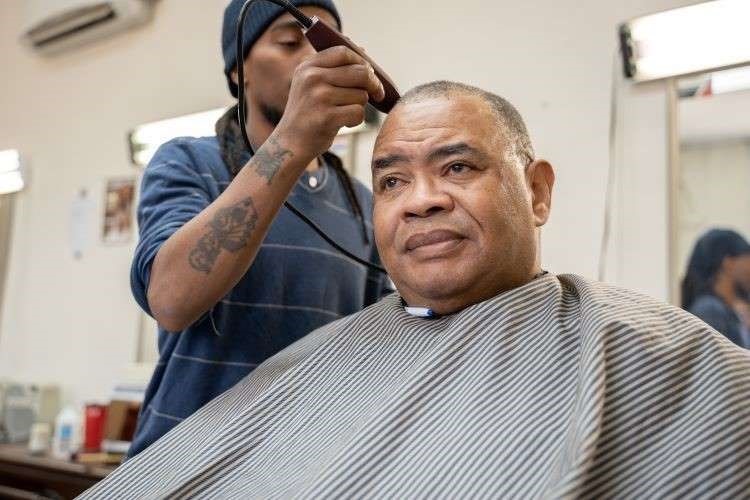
<point>53,26</point>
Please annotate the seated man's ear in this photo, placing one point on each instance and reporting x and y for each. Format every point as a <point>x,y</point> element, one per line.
<point>233,77</point>
<point>541,178</point>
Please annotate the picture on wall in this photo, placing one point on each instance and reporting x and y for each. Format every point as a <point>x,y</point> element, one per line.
<point>118,211</point>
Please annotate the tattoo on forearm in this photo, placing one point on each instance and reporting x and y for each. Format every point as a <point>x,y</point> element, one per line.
<point>268,160</point>
<point>230,230</point>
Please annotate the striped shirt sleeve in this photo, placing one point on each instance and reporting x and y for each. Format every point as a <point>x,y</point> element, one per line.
<point>172,193</point>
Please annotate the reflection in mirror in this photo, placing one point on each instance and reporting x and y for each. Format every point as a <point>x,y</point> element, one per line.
<point>713,201</point>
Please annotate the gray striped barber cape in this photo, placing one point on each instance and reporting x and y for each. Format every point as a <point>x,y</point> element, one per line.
<point>561,388</point>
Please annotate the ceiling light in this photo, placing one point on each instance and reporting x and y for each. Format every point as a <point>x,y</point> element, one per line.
<point>701,37</point>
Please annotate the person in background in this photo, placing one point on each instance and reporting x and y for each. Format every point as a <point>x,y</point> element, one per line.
<point>230,276</point>
<point>717,284</point>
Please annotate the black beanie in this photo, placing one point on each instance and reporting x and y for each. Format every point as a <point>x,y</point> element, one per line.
<point>260,17</point>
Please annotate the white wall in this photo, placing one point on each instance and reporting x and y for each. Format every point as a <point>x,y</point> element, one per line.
<point>74,321</point>
<point>639,252</point>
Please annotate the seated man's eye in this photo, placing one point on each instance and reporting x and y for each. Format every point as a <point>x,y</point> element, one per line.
<point>459,168</point>
<point>390,183</point>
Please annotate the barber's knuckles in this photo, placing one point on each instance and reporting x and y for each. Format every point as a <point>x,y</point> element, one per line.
<point>342,67</point>
<point>329,90</point>
<point>352,76</point>
<point>335,56</point>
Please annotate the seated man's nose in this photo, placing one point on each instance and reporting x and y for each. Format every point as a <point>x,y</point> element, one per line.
<point>425,204</point>
<point>425,212</point>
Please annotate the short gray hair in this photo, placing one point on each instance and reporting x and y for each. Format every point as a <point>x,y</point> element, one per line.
<point>509,118</point>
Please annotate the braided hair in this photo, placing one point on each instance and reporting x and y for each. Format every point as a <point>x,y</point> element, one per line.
<point>346,182</point>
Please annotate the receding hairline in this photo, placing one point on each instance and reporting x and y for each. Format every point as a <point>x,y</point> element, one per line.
<point>509,119</point>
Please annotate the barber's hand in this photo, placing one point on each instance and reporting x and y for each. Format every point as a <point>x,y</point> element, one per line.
<point>329,91</point>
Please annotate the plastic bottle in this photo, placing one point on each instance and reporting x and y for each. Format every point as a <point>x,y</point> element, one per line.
<point>67,433</point>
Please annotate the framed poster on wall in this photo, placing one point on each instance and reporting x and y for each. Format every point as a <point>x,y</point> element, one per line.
<point>117,227</point>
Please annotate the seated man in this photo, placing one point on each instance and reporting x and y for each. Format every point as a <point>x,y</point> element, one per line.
<point>483,376</point>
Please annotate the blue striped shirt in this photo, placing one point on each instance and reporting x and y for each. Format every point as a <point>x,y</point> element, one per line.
<point>296,284</point>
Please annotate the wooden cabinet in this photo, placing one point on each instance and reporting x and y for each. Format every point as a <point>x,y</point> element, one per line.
<point>25,476</point>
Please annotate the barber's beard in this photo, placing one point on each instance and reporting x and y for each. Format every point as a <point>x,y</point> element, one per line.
<point>271,114</point>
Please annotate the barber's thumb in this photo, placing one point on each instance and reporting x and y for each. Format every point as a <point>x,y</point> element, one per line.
<point>377,92</point>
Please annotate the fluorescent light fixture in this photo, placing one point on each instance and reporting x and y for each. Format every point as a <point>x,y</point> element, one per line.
<point>701,37</point>
<point>146,139</point>
<point>11,178</point>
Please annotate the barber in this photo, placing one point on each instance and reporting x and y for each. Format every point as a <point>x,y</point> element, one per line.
<point>230,277</point>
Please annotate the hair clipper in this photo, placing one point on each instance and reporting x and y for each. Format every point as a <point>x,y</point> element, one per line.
<point>323,37</point>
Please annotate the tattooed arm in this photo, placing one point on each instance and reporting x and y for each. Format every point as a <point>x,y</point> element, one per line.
<point>206,257</point>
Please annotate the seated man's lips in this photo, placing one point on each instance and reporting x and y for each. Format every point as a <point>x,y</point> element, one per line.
<point>431,238</point>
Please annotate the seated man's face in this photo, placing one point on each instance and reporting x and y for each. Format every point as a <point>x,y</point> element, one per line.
<point>455,211</point>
